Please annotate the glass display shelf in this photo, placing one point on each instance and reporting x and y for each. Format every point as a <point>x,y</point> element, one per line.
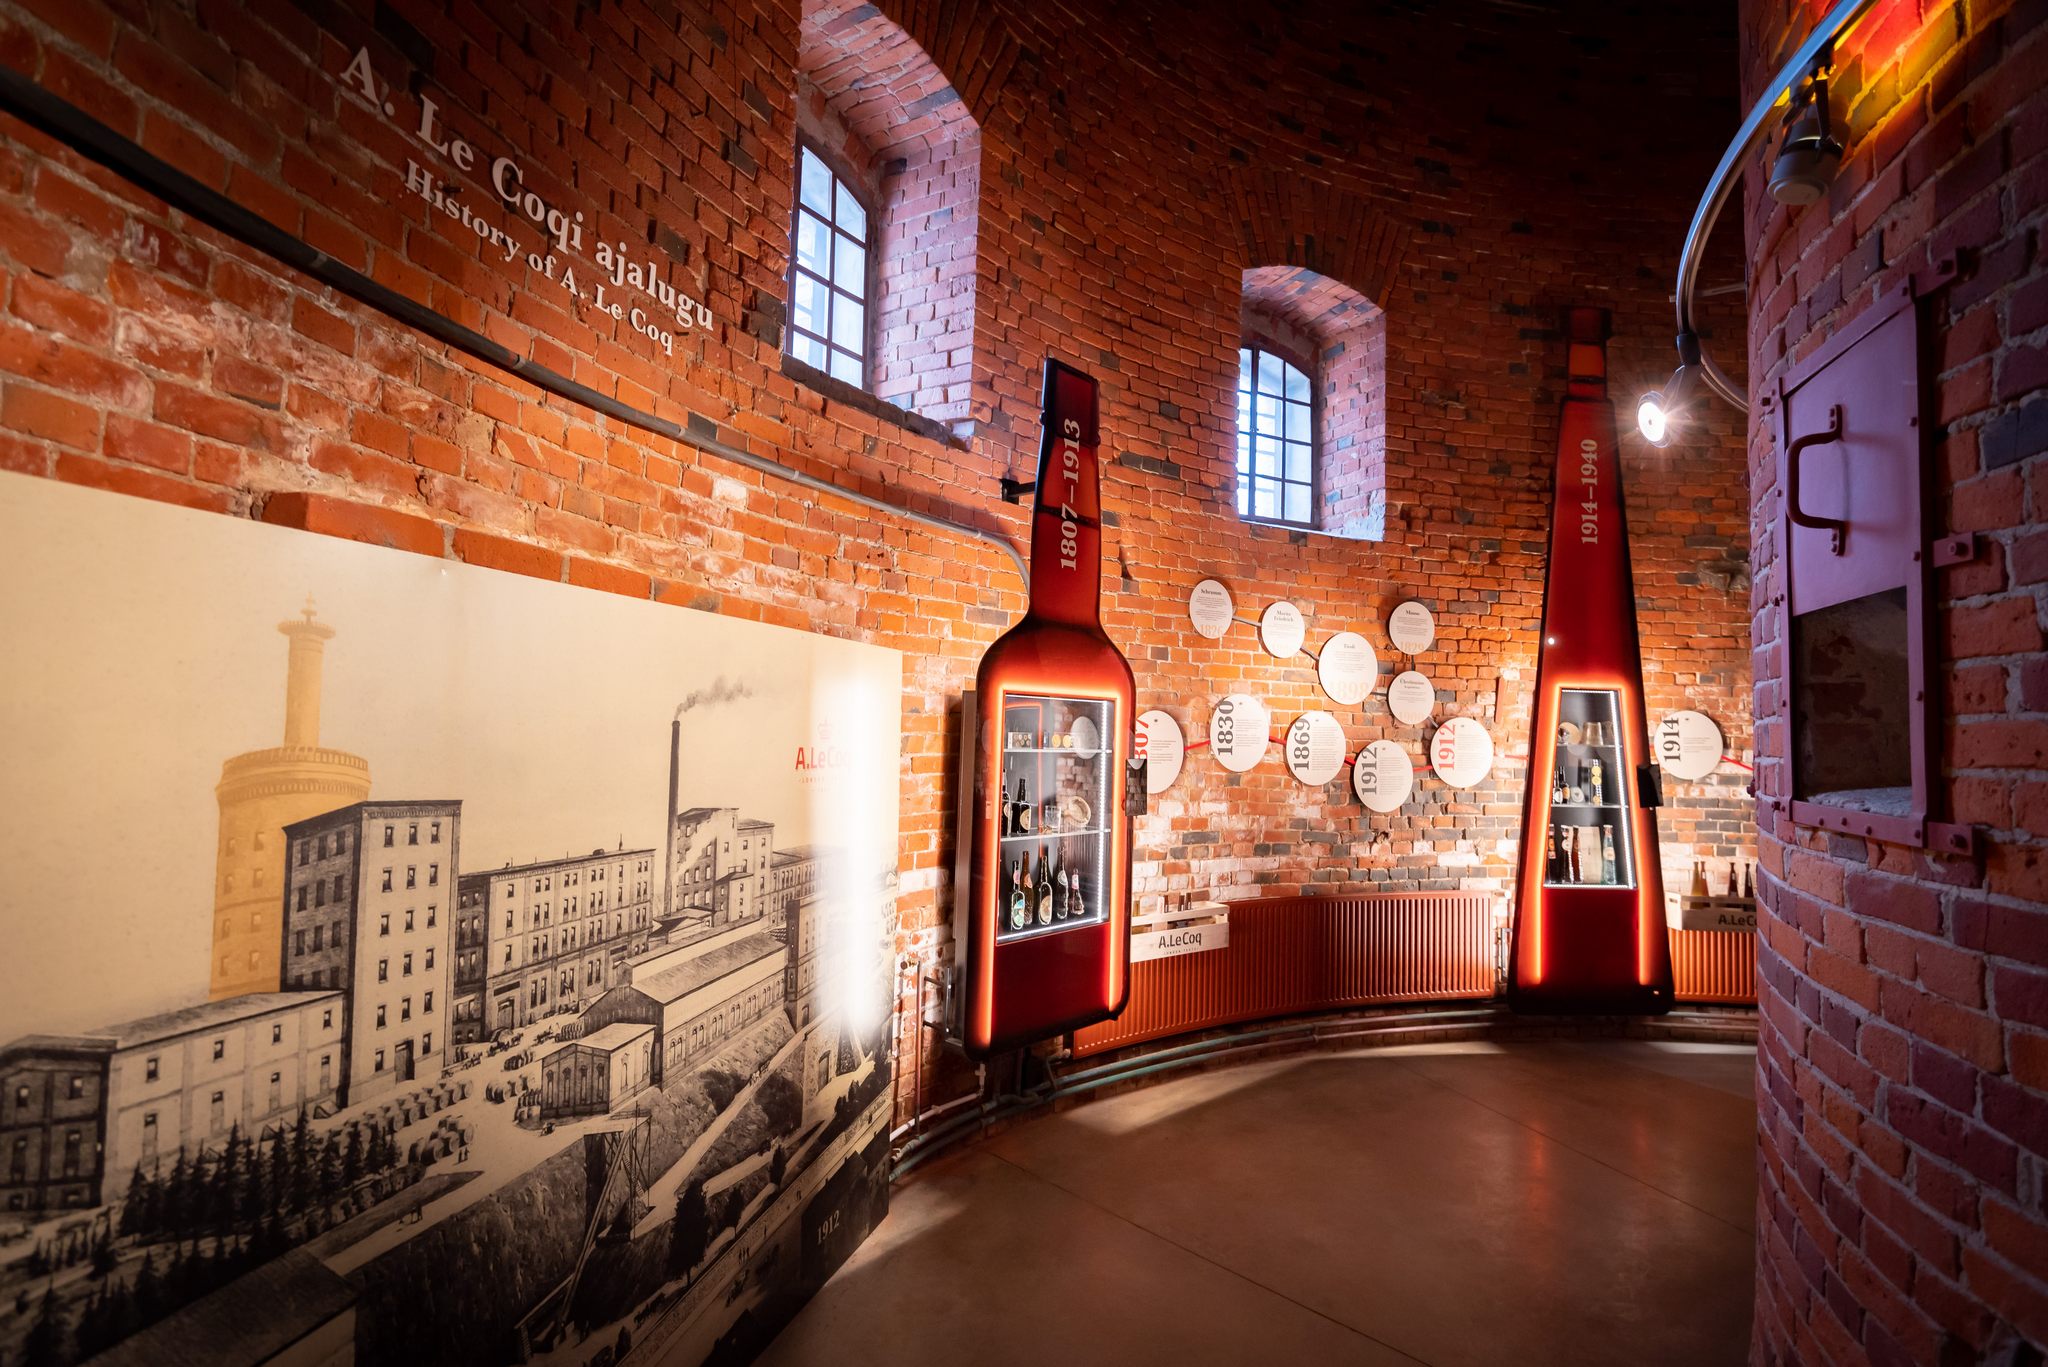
<point>1053,836</point>
<point>1588,830</point>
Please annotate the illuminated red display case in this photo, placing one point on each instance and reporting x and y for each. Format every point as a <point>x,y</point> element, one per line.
<point>1589,927</point>
<point>1041,919</point>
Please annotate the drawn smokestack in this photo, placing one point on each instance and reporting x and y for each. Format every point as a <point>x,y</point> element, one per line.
<point>721,690</point>
<point>668,863</point>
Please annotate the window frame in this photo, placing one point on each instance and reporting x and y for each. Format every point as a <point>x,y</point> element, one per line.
<point>1256,342</point>
<point>842,176</point>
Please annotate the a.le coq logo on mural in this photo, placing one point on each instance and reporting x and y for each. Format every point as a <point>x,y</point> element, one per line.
<point>821,753</point>
<point>611,280</point>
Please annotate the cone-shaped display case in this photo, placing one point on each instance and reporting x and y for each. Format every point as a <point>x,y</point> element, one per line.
<point>1041,919</point>
<point>1589,926</point>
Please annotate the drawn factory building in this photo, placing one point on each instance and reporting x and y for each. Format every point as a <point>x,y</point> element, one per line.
<point>187,1078</point>
<point>80,1114</point>
<point>720,865</point>
<point>698,996</point>
<point>370,910</point>
<point>792,879</point>
<point>535,939</point>
<point>53,1114</point>
<point>259,793</point>
<point>597,1073</point>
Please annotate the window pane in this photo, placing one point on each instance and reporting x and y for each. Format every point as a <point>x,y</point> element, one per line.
<point>811,241</point>
<point>1244,412</point>
<point>1244,453</point>
<point>1270,380</point>
<point>1297,384</point>
<point>852,217</point>
<point>1297,421</point>
<point>1297,502</point>
<point>1297,462</point>
<point>850,267</point>
<point>845,367</point>
<point>817,184</point>
<point>1244,367</point>
<point>809,311</point>
<point>849,324</point>
<point>1244,496</point>
<point>1268,416</point>
<point>809,350</point>
<point>1265,499</point>
<point>1268,458</point>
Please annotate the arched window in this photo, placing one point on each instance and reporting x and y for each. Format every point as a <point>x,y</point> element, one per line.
<point>830,272</point>
<point>1311,405</point>
<point>1276,448</point>
<point>888,168</point>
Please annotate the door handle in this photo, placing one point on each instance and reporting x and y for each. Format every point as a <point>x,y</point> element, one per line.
<point>1834,525</point>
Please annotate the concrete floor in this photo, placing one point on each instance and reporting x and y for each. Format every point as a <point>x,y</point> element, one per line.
<point>1456,1205</point>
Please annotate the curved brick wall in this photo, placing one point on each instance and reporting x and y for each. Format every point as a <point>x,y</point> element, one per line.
<point>1461,166</point>
<point>1904,1044</point>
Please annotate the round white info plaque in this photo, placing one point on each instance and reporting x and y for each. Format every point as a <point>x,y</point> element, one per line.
<point>1689,745</point>
<point>1348,668</point>
<point>1383,775</point>
<point>1410,697</point>
<point>1281,630</point>
<point>1210,609</point>
<point>1162,747</point>
<point>1237,732</point>
<point>1315,748</point>
<point>1461,752</point>
<point>1411,628</point>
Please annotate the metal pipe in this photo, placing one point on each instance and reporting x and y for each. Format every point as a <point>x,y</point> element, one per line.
<point>1830,28</point>
<point>1355,1025</point>
<point>90,138</point>
<point>1155,1061</point>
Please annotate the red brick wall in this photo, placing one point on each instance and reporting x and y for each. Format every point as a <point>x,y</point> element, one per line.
<point>1904,1045</point>
<point>1462,169</point>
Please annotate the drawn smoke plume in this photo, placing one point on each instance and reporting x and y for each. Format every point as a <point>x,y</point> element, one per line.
<point>721,690</point>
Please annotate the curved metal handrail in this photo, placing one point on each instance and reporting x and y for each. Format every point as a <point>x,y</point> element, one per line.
<point>1830,28</point>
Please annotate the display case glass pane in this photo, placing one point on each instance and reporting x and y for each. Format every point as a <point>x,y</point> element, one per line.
<point>1589,827</point>
<point>1053,816</point>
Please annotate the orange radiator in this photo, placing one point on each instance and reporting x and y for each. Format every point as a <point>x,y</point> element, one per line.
<point>1294,954</point>
<point>1716,966</point>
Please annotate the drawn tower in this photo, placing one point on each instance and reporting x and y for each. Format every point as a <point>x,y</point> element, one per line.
<point>260,793</point>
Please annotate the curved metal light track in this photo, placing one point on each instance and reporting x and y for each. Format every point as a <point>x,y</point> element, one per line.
<point>1838,20</point>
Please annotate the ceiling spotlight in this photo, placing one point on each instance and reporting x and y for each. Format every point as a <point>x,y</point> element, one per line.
<point>1653,420</point>
<point>1809,153</point>
<point>1657,410</point>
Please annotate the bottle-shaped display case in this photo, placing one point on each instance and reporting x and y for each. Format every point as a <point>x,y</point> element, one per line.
<point>1041,911</point>
<point>1589,930</point>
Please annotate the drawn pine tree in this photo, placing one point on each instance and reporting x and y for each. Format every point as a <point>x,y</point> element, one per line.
<point>690,1235</point>
<point>47,1342</point>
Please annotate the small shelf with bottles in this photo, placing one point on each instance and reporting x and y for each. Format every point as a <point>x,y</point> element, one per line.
<point>1052,838</point>
<point>1588,830</point>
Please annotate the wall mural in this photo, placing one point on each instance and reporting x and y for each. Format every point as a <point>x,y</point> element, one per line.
<point>412,963</point>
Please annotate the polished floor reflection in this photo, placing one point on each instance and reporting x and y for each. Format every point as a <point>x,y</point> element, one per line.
<point>1457,1206</point>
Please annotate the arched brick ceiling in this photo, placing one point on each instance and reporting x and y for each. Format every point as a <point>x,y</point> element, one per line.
<point>1286,219</point>
<point>1315,303</point>
<point>874,74</point>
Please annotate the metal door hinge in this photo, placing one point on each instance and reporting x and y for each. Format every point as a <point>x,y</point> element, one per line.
<point>1954,550</point>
